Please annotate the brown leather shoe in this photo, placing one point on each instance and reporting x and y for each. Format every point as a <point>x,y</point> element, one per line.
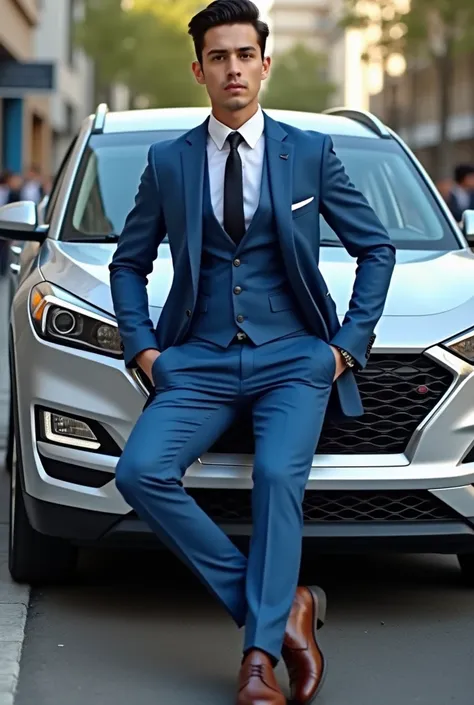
<point>301,653</point>
<point>257,682</point>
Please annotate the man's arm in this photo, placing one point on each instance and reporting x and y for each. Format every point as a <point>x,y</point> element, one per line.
<point>348,213</point>
<point>131,264</point>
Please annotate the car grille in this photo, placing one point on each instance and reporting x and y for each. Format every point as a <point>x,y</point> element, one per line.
<point>234,506</point>
<point>398,391</point>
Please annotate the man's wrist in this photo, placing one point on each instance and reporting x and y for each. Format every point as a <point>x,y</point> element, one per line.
<point>348,359</point>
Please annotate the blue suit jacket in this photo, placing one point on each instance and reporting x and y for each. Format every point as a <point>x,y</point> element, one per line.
<point>302,164</point>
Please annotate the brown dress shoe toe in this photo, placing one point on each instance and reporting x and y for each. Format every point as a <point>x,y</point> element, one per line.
<point>301,653</point>
<point>257,682</point>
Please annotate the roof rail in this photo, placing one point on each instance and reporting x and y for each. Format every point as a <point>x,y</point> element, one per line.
<point>363,117</point>
<point>99,118</point>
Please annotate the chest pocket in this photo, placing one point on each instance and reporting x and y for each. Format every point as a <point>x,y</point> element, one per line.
<point>304,210</point>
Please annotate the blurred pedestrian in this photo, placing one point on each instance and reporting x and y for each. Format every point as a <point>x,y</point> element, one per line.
<point>33,186</point>
<point>4,187</point>
<point>461,197</point>
<point>47,185</point>
<point>15,185</point>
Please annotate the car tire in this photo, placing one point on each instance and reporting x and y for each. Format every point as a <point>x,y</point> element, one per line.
<point>35,558</point>
<point>466,562</point>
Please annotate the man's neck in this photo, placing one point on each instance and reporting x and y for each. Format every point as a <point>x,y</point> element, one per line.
<point>234,120</point>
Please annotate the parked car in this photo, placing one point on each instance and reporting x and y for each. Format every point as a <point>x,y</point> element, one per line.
<point>399,478</point>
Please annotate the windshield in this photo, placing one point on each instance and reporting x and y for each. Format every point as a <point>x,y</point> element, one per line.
<point>112,165</point>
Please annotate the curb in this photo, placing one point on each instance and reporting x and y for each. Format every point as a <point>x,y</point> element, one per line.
<point>14,600</point>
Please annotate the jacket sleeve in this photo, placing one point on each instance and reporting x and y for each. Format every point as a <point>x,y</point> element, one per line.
<point>132,262</point>
<point>349,214</point>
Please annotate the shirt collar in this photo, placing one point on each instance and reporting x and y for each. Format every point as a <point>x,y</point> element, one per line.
<point>251,131</point>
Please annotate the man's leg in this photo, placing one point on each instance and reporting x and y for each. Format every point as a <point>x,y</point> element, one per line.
<point>178,426</point>
<point>287,424</point>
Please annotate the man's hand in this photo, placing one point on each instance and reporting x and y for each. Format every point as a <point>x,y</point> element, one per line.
<point>146,359</point>
<point>340,362</point>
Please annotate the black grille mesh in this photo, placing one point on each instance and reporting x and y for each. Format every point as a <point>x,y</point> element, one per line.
<point>398,391</point>
<point>234,506</point>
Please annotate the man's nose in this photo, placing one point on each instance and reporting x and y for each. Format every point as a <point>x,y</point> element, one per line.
<point>233,70</point>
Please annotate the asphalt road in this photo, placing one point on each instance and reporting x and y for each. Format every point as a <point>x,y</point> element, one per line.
<point>137,628</point>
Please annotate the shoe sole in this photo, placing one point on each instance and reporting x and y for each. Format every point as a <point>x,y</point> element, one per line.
<point>319,599</point>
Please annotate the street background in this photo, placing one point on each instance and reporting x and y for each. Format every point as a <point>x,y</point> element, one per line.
<point>137,627</point>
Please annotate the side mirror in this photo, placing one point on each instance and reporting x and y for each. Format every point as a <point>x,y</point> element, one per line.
<point>467,226</point>
<point>19,221</point>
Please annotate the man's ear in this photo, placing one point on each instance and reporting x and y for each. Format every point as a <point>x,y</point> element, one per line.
<point>198,73</point>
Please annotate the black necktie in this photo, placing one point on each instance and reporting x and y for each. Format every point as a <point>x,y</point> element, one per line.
<point>234,218</point>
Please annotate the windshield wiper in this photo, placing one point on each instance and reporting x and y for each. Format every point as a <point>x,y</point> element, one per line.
<point>110,237</point>
<point>330,243</point>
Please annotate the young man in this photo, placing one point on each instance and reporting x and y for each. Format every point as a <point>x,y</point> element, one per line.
<point>248,320</point>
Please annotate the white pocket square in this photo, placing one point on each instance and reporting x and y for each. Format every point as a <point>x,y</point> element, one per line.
<point>295,206</point>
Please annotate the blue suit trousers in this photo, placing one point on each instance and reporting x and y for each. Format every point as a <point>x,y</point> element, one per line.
<point>200,390</point>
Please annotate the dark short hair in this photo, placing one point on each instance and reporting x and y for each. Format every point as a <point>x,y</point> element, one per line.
<point>222,12</point>
<point>462,171</point>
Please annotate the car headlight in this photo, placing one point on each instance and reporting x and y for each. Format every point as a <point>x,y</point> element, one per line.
<point>61,318</point>
<point>462,345</point>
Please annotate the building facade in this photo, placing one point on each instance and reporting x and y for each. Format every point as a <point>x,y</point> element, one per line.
<point>73,98</point>
<point>411,105</point>
<point>25,134</point>
<point>300,21</point>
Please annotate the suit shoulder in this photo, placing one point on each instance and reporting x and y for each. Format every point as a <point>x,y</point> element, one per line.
<point>297,134</point>
<point>157,149</point>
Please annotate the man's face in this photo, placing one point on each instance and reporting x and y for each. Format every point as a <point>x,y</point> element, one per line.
<point>232,67</point>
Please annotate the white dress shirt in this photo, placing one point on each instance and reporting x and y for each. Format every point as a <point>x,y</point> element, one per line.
<point>252,152</point>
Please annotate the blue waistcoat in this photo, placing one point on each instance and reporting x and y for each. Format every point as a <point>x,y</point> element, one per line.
<point>245,287</point>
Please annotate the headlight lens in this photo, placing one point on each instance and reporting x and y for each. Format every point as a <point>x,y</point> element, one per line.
<point>61,318</point>
<point>463,346</point>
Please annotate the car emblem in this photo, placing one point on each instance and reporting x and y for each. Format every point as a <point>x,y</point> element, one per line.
<point>423,389</point>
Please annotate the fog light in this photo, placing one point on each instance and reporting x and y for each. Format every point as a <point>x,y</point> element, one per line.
<point>69,431</point>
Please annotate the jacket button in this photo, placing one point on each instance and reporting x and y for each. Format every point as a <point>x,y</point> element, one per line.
<point>188,313</point>
<point>240,318</point>
<point>237,289</point>
<point>237,263</point>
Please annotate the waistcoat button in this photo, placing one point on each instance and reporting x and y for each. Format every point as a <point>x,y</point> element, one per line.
<point>240,318</point>
<point>236,263</point>
<point>237,290</point>
<point>188,313</point>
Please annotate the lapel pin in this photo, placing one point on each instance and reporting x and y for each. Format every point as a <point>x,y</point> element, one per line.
<point>283,156</point>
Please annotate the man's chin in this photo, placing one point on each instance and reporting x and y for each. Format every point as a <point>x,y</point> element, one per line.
<point>236,103</point>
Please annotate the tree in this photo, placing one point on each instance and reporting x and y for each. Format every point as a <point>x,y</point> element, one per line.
<point>142,48</point>
<point>297,81</point>
<point>438,29</point>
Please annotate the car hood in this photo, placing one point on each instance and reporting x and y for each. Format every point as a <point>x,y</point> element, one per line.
<point>430,296</point>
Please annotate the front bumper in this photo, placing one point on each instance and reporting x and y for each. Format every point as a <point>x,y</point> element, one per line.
<point>85,528</point>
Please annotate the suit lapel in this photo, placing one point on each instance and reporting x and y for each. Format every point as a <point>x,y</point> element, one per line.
<point>280,153</point>
<point>193,160</point>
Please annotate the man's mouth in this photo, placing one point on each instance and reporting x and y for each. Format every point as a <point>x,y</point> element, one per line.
<point>234,87</point>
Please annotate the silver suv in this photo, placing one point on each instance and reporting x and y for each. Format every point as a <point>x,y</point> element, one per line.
<point>399,478</point>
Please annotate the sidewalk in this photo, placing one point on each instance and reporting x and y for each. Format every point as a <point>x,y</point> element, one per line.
<point>13,598</point>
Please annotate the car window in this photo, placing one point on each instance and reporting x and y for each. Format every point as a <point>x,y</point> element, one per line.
<point>110,172</point>
<point>397,194</point>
